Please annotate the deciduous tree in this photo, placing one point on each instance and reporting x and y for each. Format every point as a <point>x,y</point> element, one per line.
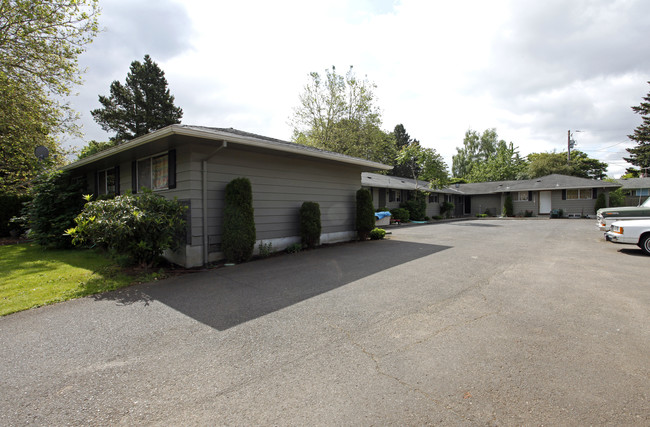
<point>541,164</point>
<point>40,42</point>
<point>337,113</point>
<point>425,164</point>
<point>484,157</point>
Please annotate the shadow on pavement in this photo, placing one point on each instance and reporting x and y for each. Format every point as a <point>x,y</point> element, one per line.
<point>226,297</point>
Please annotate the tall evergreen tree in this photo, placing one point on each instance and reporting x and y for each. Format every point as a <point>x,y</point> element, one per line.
<point>407,168</point>
<point>144,104</point>
<point>640,155</point>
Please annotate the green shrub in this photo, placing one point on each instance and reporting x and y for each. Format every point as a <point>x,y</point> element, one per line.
<point>135,229</point>
<point>481,215</point>
<point>616,198</point>
<point>508,209</point>
<point>294,248</point>
<point>365,213</point>
<point>377,233</point>
<point>265,249</point>
<point>382,209</point>
<point>561,213</point>
<point>238,232</point>
<point>11,205</point>
<point>601,202</point>
<point>400,214</point>
<point>426,218</point>
<point>310,226</point>
<point>528,214</point>
<point>53,209</point>
<point>417,207</point>
<point>446,209</point>
<point>437,217</point>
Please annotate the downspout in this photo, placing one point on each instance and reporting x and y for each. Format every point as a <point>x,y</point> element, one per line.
<point>204,201</point>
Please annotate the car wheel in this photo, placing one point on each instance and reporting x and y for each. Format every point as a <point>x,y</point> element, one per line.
<point>644,244</point>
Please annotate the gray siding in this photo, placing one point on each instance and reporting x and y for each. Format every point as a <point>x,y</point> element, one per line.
<point>490,202</point>
<point>582,207</point>
<point>280,186</point>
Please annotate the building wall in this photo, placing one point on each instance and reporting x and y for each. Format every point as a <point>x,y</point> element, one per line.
<point>581,207</point>
<point>280,185</point>
<point>486,202</point>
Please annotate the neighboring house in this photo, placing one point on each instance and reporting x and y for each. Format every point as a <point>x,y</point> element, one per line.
<point>194,164</point>
<point>636,190</point>
<point>390,191</point>
<point>575,196</point>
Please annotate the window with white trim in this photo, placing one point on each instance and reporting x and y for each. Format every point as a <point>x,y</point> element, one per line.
<point>520,196</point>
<point>106,181</point>
<point>579,194</point>
<point>433,198</point>
<point>153,172</point>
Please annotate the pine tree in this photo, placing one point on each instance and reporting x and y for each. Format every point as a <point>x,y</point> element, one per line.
<point>640,155</point>
<point>144,104</point>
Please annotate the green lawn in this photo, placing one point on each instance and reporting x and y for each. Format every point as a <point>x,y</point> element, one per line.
<point>31,276</point>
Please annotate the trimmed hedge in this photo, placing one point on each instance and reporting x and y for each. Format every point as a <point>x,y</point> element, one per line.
<point>400,214</point>
<point>365,213</point>
<point>310,225</point>
<point>238,235</point>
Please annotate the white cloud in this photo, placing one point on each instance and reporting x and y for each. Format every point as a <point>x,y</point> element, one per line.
<point>530,69</point>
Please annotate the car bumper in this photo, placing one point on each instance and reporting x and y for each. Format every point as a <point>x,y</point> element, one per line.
<point>617,238</point>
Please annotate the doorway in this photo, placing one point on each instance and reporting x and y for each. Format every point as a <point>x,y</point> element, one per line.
<point>544,202</point>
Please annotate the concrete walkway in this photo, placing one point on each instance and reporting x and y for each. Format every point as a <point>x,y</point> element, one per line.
<point>474,322</point>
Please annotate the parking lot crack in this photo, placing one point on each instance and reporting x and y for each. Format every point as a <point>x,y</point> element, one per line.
<point>378,369</point>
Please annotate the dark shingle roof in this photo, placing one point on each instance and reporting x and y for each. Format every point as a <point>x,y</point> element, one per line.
<point>634,183</point>
<point>549,182</point>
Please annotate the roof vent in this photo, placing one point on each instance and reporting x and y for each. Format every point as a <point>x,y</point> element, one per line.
<point>539,180</point>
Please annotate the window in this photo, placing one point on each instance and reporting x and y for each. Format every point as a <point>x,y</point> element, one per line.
<point>580,194</point>
<point>391,195</point>
<point>520,196</point>
<point>153,172</point>
<point>433,198</point>
<point>107,181</point>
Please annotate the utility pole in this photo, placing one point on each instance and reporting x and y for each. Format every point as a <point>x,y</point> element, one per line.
<point>570,144</point>
<point>568,147</point>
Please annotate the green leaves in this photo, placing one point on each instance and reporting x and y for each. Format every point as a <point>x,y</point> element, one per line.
<point>138,227</point>
<point>142,105</point>
<point>337,113</point>
<point>640,155</point>
<point>39,45</point>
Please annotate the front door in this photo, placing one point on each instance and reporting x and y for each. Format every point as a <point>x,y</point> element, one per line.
<point>382,198</point>
<point>544,202</point>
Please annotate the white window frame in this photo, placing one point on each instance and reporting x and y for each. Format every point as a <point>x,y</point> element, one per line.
<point>579,193</point>
<point>520,196</point>
<point>105,189</point>
<point>150,158</point>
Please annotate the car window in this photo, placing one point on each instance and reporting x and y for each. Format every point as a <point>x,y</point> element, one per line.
<point>646,204</point>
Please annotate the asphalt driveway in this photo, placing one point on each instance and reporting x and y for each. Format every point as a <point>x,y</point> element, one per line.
<point>499,322</point>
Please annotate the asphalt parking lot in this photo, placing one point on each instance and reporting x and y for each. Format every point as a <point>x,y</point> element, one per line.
<point>491,322</point>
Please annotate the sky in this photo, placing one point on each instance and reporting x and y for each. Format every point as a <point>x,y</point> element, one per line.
<point>532,70</point>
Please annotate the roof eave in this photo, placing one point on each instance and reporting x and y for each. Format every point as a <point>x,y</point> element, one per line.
<point>224,136</point>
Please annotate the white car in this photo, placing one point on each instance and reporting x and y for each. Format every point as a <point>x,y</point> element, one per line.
<point>634,232</point>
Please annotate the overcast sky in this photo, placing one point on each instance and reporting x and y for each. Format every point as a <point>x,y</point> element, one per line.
<point>530,69</point>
